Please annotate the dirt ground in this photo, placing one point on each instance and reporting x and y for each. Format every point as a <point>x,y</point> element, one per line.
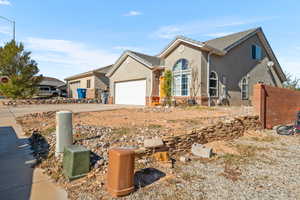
<point>258,165</point>
<point>170,120</point>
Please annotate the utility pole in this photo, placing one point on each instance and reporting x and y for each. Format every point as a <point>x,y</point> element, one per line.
<point>13,24</point>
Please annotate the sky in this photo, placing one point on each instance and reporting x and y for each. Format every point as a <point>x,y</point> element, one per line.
<point>67,37</point>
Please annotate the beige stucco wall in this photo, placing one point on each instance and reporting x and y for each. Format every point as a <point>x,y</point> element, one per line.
<point>238,63</point>
<point>101,82</point>
<point>192,54</point>
<point>83,81</point>
<point>130,69</point>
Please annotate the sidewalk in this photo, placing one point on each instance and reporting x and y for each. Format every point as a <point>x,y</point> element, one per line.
<point>19,181</point>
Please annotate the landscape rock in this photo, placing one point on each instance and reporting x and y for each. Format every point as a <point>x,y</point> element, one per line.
<point>153,143</point>
<point>201,151</point>
<point>184,159</point>
<point>59,100</point>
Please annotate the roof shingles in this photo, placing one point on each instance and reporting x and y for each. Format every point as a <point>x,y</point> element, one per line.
<point>223,43</point>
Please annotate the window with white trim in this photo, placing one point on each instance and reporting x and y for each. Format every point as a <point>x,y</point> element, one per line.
<point>213,84</point>
<point>181,78</point>
<point>245,89</point>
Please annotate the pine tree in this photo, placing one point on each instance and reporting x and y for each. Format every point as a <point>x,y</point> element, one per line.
<point>16,64</point>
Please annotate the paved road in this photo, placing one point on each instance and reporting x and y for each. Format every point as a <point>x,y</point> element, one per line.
<point>18,181</point>
<point>25,109</point>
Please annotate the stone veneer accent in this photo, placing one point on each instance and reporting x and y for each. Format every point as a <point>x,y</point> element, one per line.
<point>221,131</point>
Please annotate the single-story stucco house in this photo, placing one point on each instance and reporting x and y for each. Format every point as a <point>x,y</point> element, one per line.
<point>225,68</point>
<point>49,87</point>
<point>94,81</point>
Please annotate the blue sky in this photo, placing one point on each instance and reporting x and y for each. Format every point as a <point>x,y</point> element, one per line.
<point>73,36</point>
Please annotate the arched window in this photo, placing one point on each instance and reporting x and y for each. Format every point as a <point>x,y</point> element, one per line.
<point>213,84</point>
<point>245,89</point>
<point>181,77</point>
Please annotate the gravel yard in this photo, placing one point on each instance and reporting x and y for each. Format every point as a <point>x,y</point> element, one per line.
<point>267,167</point>
<point>258,165</point>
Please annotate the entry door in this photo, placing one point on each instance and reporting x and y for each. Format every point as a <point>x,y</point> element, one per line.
<point>131,92</point>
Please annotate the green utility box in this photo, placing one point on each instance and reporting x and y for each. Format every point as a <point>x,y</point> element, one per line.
<point>76,161</point>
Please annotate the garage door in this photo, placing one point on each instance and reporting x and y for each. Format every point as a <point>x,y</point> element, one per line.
<point>131,92</point>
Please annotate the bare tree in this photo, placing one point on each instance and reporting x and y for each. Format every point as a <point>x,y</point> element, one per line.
<point>292,82</point>
<point>195,83</point>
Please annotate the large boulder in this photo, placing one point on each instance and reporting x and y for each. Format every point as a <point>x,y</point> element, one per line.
<point>153,143</point>
<point>200,150</point>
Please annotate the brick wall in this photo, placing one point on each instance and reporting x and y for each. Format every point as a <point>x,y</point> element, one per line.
<point>275,105</point>
<point>91,93</point>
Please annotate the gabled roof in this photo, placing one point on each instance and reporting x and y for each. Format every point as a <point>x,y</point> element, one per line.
<point>224,43</point>
<point>146,60</point>
<point>219,46</point>
<point>50,81</point>
<point>182,39</point>
<point>153,60</point>
<point>101,70</point>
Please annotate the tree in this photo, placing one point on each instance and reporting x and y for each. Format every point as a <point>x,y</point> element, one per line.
<point>195,83</point>
<point>292,82</point>
<point>167,86</point>
<point>16,64</point>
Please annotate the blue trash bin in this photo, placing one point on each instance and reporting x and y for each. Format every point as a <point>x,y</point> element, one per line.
<point>81,93</point>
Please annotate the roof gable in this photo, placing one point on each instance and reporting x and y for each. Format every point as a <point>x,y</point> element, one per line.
<point>102,70</point>
<point>181,39</point>
<point>146,60</point>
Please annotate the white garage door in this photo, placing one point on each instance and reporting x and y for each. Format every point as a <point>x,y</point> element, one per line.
<point>131,92</point>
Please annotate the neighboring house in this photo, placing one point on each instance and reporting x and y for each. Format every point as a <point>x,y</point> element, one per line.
<point>226,69</point>
<point>94,81</point>
<point>50,87</point>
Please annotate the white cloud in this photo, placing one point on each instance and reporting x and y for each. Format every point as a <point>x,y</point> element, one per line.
<point>215,35</point>
<point>290,65</point>
<point>5,30</point>
<point>75,56</point>
<point>203,27</point>
<point>5,2</point>
<point>124,48</point>
<point>133,13</point>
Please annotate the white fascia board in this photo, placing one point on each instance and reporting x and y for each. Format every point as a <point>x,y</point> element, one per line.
<point>176,42</point>
<point>121,60</point>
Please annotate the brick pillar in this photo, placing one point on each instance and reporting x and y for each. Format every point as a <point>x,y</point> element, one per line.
<point>110,100</point>
<point>259,102</point>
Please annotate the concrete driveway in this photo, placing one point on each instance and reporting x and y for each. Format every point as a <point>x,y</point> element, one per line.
<point>18,179</point>
<point>6,111</point>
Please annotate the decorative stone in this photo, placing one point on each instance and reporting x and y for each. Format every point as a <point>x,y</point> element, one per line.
<point>201,151</point>
<point>153,143</point>
<point>161,156</point>
<point>183,159</point>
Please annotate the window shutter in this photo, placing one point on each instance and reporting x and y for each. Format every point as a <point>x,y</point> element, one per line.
<point>253,52</point>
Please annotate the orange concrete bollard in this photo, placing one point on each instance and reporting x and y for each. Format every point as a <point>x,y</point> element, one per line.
<point>120,175</point>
